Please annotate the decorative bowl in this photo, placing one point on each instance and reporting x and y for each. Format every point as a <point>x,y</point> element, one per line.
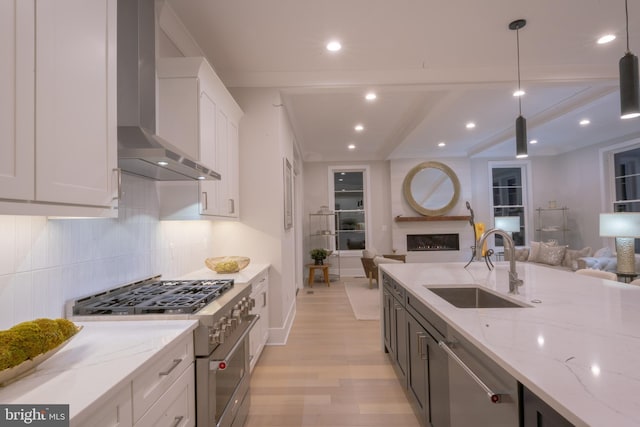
<point>219,265</point>
<point>14,373</point>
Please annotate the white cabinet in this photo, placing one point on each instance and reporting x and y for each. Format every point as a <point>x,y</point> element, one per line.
<point>198,115</point>
<point>176,407</point>
<point>157,377</point>
<point>260,332</point>
<point>161,394</point>
<point>117,412</point>
<point>58,141</point>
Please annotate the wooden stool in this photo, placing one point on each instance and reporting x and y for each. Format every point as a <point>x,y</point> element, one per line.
<point>325,272</point>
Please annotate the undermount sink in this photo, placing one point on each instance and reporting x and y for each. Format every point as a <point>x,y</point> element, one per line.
<point>473,297</point>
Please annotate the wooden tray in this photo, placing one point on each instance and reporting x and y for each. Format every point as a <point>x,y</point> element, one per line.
<point>242,261</point>
<point>10,375</point>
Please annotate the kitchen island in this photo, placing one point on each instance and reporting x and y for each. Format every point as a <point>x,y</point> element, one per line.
<point>576,345</point>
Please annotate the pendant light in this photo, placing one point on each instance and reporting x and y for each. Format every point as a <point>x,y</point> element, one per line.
<point>521,122</point>
<point>629,85</point>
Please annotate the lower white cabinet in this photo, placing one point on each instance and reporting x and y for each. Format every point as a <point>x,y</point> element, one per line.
<point>155,380</point>
<point>260,332</point>
<point>117,412</point>
<point>176,407</point>
<point>162,394</point>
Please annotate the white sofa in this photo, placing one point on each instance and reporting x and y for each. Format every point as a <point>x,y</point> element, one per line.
<point>552,255</point>
<point>604,259</point>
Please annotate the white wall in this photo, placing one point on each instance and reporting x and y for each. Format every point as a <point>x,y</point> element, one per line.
<point>45,262</point>
<point>316,194</point>
<point>265,139</point>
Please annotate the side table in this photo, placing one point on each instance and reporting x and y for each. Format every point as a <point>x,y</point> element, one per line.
<point>325,272</point>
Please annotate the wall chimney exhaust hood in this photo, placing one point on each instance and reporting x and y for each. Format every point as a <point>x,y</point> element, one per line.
<point>140,150</point>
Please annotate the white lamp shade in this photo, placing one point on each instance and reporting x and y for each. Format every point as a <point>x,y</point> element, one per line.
<point>508,223</point>
<point>620,224</point>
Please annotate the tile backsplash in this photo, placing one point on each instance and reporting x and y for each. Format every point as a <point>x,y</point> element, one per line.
<point>44,262</point>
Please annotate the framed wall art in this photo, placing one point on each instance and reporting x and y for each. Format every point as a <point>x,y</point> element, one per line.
<point>288,194</point>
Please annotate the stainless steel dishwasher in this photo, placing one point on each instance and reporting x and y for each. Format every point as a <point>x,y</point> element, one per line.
<point>481,393</point>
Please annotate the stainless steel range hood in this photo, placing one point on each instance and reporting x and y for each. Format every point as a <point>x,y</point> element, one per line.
<point>140,150</point>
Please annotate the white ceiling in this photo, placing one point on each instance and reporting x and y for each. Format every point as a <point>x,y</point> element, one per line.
<point>435,65</point>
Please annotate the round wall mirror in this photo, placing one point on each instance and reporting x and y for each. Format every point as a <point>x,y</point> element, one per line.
<point>431,188</point>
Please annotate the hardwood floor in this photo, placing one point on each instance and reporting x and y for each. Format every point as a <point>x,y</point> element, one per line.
<point>332,372</point>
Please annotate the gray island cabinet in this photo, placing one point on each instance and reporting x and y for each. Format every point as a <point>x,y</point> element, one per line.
<point>448,380</point>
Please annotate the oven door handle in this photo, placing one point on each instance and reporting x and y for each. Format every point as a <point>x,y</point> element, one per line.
<point>221,363</point>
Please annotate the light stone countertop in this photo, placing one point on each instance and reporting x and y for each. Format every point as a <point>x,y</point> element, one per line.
<point>97,361</point>
<point>245,275</point>
<point>578,350</point>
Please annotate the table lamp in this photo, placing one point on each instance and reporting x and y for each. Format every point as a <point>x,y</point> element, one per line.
<point>625,227</point>
<point>510,224</point>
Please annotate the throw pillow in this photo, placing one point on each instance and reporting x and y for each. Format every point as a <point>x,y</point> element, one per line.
<point>551,255</point>
<point>603,253</point>
<point>522,254</point>
<point>534,252</point>
<point>368,254</point>
<point>382,260</point>
<point>571,257</point>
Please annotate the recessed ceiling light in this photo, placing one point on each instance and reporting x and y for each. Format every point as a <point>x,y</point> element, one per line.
<point>343,173</point>
<point>161,163</point>
<point>201,177</point>
<point>334,46</point>
<point>533,141</point>
<point>584,122</point>
<point>519,92</point>
<point>359,128</point>
<point>607,38</point>
<point>351,146</point>
<point>441,144</point>
<point>370,96</point>
<point>470,125</point>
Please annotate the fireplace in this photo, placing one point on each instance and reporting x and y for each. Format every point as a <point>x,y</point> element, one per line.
<point>433,242</point>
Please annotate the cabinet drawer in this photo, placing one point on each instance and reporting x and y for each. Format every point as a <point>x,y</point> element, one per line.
<point>394,288</point>
<point>116,412</point>
<point>176,408</point>
<point>154,381</point>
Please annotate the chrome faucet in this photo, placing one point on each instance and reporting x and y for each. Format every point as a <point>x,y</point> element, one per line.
<point>514,282</point>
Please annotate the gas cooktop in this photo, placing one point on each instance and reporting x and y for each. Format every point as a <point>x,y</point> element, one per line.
<point>153,297</point>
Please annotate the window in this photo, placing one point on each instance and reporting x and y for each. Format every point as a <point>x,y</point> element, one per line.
<point>349,193</point>
<point>508,199</point>
<point>627,183</point>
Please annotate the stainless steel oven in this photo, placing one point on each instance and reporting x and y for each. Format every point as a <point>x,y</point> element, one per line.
<point>221,340</point>
<point>223,377</point>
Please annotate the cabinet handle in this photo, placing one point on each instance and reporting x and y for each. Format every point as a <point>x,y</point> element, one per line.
<point>118,173</point>
<point>493,397</point>
<point>177,420</point>
<point>174,365</point>
<point>423,350</point>
<point>232,206</point>
<point>264,299</point>
<point>205,200</point>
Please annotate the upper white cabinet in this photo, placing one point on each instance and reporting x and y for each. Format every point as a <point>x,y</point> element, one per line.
<point>58,141</point>
<point>198,115</point>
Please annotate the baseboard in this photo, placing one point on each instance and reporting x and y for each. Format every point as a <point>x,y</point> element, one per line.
<point>279,336</point>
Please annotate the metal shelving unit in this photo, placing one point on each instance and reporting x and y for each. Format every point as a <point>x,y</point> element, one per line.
<point>322,234</point>
<point>552,224</point>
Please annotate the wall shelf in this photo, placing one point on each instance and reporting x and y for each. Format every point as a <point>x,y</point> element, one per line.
<point>401,218</point>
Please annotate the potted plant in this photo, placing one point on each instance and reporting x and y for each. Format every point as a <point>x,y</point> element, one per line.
<point>318,255</point>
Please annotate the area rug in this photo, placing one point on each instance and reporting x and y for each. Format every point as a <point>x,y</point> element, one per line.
<point>365,302</point>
